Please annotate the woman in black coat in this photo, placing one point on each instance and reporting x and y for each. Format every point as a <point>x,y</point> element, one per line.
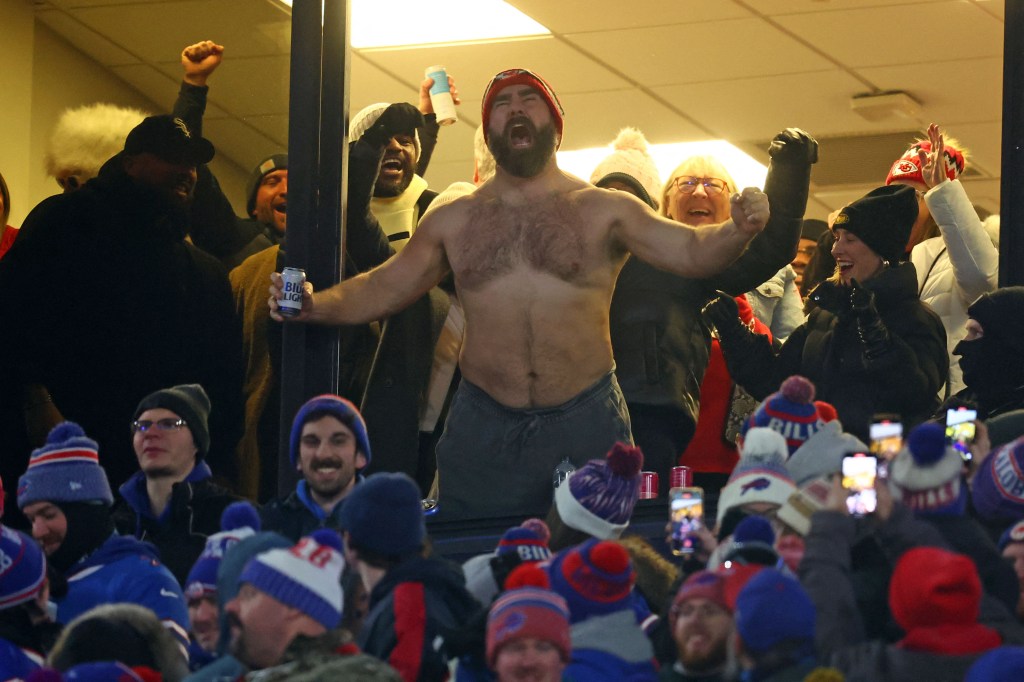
<point>869,344</point>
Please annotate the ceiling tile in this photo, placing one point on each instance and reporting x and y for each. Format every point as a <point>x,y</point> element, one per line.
<point>574,16</point>
<point>651,56</point>
<point>240,142</point>
<point>158,31</point>
<point>780,102</point>
<point>899,33</point>
<point>101,49</point>
<point>151,82</point>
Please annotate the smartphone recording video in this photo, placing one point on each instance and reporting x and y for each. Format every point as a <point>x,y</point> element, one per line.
<point>886,436</point>
<point>859,474</point>
<point>960,430</point>
<point>686,515</point>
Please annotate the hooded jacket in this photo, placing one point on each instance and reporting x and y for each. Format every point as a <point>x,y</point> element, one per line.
<point>415,602</point>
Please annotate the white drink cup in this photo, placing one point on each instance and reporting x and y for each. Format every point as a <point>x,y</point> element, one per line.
<point>441,96</point>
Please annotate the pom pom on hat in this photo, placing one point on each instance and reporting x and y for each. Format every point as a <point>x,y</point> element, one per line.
<point>599,497</point>
<point>791,411</point>
<point>527,575</point>
<point>760,475</point>
<point>630,163</point>
<point>595,578</point>
<point>926,473</point>
<point>238,521</point>
<point>66,469</point>
<point>528,612</point>
<point>539,527</point>
<point>306,577</point>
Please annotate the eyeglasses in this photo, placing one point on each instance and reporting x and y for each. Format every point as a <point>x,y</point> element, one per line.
<point>167,424</point>
<point>687,184</point>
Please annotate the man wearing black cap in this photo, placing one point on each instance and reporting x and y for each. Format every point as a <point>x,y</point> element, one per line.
<point>117,304</point>
<point>172,501</point>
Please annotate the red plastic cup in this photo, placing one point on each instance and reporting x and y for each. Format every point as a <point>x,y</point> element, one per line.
<point>682,477</point>
<point>648,485</point>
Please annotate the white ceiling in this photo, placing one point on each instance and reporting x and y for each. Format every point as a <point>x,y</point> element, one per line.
<point>735,69</point>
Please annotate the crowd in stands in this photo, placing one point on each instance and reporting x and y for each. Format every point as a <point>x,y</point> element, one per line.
<point>527,346</point>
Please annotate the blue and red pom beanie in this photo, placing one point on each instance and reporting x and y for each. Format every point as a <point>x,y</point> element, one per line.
<point>598,498</point>
<point>790,411</point>
<point>238,521</point>
<point>22,568</point>
<point>927,471</point>
<point>595,578</point>
<point>66,469</point>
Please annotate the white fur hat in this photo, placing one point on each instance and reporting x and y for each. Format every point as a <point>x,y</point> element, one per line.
<point>85,137</point>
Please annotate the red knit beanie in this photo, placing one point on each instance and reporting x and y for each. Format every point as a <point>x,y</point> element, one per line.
<point>932,586</point>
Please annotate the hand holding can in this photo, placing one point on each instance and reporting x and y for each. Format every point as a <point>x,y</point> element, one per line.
<point>287,293</point>
<point>441,96</point>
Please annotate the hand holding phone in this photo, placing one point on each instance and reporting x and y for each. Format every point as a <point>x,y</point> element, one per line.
<point>686,517</point>
<point>859,473</point>
<point>960,430</point>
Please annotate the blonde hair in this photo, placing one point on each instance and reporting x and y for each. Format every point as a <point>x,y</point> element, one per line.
<point>707,161</point>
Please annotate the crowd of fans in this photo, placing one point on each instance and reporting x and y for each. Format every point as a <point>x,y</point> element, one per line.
<point>732,345</point>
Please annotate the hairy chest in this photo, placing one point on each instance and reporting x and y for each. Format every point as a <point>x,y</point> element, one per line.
<point>550,237</point>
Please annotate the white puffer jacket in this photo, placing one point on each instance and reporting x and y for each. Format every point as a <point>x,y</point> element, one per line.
<point>953,270</point>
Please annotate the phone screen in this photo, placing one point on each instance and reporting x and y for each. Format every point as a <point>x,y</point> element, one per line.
<point>686,514</point>
<point>859,473</point>
<point>960,430</point>
<point>886,438</point>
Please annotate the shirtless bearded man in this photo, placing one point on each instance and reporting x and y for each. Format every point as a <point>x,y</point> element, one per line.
<point>535,254</point>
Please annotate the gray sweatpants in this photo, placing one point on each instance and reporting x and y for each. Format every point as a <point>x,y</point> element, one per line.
<point>496,461</point>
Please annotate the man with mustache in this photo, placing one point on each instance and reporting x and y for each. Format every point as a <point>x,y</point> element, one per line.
<point>535,253</point>
<point>329,447</point>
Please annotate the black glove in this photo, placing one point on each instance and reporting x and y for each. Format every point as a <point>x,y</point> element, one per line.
<point>873,334</point>
<point>398,119</point>
<point>833,297</point>
<point>723,314</point>
<point>793,145</point>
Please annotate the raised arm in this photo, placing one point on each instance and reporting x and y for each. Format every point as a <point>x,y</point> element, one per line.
<point>684,250</point>
<point>382,291</point>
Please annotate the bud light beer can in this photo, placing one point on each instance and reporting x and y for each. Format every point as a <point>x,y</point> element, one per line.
<point>290,303</point>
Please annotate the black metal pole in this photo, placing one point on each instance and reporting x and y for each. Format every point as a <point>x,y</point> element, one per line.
<point>1011,212</point>
<point>317,149</point>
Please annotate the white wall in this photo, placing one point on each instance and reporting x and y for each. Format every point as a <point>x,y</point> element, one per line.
<point>34,95</point>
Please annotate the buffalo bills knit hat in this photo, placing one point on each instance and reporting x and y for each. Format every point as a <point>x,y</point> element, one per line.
<point>521,77</point>
<point>760,475</point>
<point>239,521</point>
<point>773,608</point>
<point>190,403</point>
<point>66,469</point>
<point>998,491</point>
<point>882,219</point>
<point>306,577</point>
<point>1014,533</point>
<point>599,497</point>
<point>384,514</point>
<point>343,410</point>
<point>927,471</point>
<point>790,411</point>
<point>22,568</point>
<point>595,578</point>
<point>526,542</point>
<point>529,609</point>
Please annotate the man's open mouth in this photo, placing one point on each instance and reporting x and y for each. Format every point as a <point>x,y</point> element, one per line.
<point>520,136</point>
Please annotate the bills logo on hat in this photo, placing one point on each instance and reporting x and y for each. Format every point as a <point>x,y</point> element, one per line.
<point>757,484</point>
<point>1017,532</point>
<point>1009,479</point>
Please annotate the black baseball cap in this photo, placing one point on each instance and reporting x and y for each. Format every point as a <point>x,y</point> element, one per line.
<point>169,138</point>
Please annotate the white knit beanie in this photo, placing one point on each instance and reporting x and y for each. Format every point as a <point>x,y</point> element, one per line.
<point>631,157</point>
<point>365,119</point>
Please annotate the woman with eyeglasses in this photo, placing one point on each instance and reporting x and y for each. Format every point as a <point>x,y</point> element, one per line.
<point>869,344</point>
<point>661,344</point>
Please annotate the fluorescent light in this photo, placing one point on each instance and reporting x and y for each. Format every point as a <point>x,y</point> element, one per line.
<point>396,23</point>
<point>745,170</point>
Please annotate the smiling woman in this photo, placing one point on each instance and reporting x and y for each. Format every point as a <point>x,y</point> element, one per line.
<point>869,344</point>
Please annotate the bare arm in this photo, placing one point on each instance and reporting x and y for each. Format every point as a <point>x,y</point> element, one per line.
<point>685,250</point>
<point>382,291</point>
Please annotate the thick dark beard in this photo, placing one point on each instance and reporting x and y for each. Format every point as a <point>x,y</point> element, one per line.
<point>524,163</point>
<point>385,189</point>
